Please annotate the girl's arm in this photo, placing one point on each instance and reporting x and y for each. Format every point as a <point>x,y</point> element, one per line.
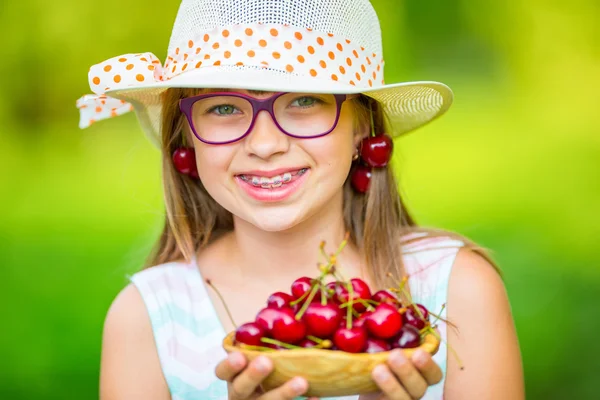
<point>485,338</point>
<point>130,368</point>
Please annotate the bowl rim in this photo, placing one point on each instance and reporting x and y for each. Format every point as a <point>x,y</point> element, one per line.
<point>430,344</point>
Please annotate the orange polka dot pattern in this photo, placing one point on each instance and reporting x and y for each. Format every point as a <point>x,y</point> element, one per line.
<point>296,50</point>
<point>284,48</point>
<point>98,107</point>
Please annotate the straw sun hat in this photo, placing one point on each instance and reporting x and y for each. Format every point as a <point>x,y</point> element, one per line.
<point>309,46</point>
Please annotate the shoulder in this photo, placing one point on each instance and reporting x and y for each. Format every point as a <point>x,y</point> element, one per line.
<point>475,275</point>
<point>482,333</point>
<point>130,367</point>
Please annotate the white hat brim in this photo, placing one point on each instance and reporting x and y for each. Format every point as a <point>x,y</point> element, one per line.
<point>408,105</point>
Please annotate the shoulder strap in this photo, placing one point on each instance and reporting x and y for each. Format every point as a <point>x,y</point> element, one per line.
<point>186,329</point>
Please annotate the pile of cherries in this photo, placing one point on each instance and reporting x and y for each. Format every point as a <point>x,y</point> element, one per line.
<point>319,318</point>
<point>374,152</point>
<point>337,315</point>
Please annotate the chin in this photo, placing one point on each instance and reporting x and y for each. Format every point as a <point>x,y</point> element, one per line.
<point>274,220</point>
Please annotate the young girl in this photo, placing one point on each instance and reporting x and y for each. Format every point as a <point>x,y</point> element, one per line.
<point>274,123</point>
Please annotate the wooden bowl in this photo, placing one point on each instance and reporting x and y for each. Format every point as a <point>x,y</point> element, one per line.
<point>329,373</point>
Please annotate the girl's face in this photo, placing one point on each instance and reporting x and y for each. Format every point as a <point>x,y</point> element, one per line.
<point>270,179</point>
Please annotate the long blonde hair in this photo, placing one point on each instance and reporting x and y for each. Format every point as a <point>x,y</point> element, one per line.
<point>377,221</point>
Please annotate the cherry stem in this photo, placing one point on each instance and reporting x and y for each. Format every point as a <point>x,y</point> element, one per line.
<point>363,302</point>
<point>299,299</point>
<point>351,308</point>
<point>278,343</point>
<point>321,343</point>
<point>315,339</point>
<point>434,333</point>
<point>437,317</point>
<point>372,120</point>
<point>322,248</point>
<point>311,296</point>
<point>222,301</point>
<point>258,348</point>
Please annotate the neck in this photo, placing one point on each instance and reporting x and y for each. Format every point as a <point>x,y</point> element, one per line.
<point>294,252</point>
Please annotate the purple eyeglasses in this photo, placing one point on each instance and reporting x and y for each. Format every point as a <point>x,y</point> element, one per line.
<point>226,117</point>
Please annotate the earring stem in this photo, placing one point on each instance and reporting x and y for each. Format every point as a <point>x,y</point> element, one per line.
<point>372,120</point>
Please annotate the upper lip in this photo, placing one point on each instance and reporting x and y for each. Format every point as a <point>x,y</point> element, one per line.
<point>270,173</point>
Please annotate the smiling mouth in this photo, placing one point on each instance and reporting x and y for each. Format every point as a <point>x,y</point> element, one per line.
<point>273,182</point>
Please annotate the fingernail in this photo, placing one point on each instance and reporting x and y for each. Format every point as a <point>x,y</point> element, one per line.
<point>262,364</point>
<point>380,373</point>
<point>236,360</point>
<point>299,385</point>
<point>397,358</point>
<point>420,357</point>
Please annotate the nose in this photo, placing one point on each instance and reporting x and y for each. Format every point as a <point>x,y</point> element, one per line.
<point>266,140</point>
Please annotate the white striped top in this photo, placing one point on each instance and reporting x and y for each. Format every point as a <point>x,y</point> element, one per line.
<point>188,333</point>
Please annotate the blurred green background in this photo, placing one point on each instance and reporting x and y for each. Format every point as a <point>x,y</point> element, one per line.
<point>515,165</point>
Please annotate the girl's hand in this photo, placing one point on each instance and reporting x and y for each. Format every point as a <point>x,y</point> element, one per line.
<point>405,379</point>
<point>244,379</point>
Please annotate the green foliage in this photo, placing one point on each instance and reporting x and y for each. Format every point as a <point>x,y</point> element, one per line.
<point>514,165</point>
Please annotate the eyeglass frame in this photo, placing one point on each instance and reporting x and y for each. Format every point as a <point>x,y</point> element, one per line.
<point>186,105</point>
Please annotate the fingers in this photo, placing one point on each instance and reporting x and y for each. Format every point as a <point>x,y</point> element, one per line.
<point>430,371</point>
<point>245,378</point>
<point>403,379</point>
<point>227,369</point>
<point>389,385</point>
<point>247,382</point>
<point>288,391</point>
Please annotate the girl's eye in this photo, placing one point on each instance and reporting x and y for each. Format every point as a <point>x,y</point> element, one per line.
<point>224,109</point>
<point>305,101</point>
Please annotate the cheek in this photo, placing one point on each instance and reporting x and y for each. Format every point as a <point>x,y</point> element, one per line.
<point>334,152</point>
<point>213,164</point>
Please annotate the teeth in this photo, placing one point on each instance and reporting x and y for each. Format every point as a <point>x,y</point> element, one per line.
<point>276,181</point>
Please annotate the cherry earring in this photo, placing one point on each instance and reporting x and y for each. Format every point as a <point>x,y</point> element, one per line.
<point>375,152</point>
<point>184,160</point>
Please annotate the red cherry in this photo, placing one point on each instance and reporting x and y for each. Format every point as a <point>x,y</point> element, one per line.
<point>408,337</point>
<point>281,324</point>
<point>250,333</point>
<point>306,343</point>
<point>423,311</point>
<point>353,340</point>
<point>303,285</point>
<point>356,322</point>
<point>360,291</point>
<point>411,317</point>
<point>266,318</point>
<point>377,346</point>
<point>322,320</point>
<point>385,322</point>
<point>279,300</point>
<point>184,160</point>
<point>383,296</point>
<point>376,151</point>
<point>361,178</point>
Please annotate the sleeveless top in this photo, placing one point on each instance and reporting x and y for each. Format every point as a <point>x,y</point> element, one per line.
<point>188,332</point>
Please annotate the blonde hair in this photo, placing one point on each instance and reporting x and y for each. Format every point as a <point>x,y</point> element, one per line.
<point>378,221</point>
